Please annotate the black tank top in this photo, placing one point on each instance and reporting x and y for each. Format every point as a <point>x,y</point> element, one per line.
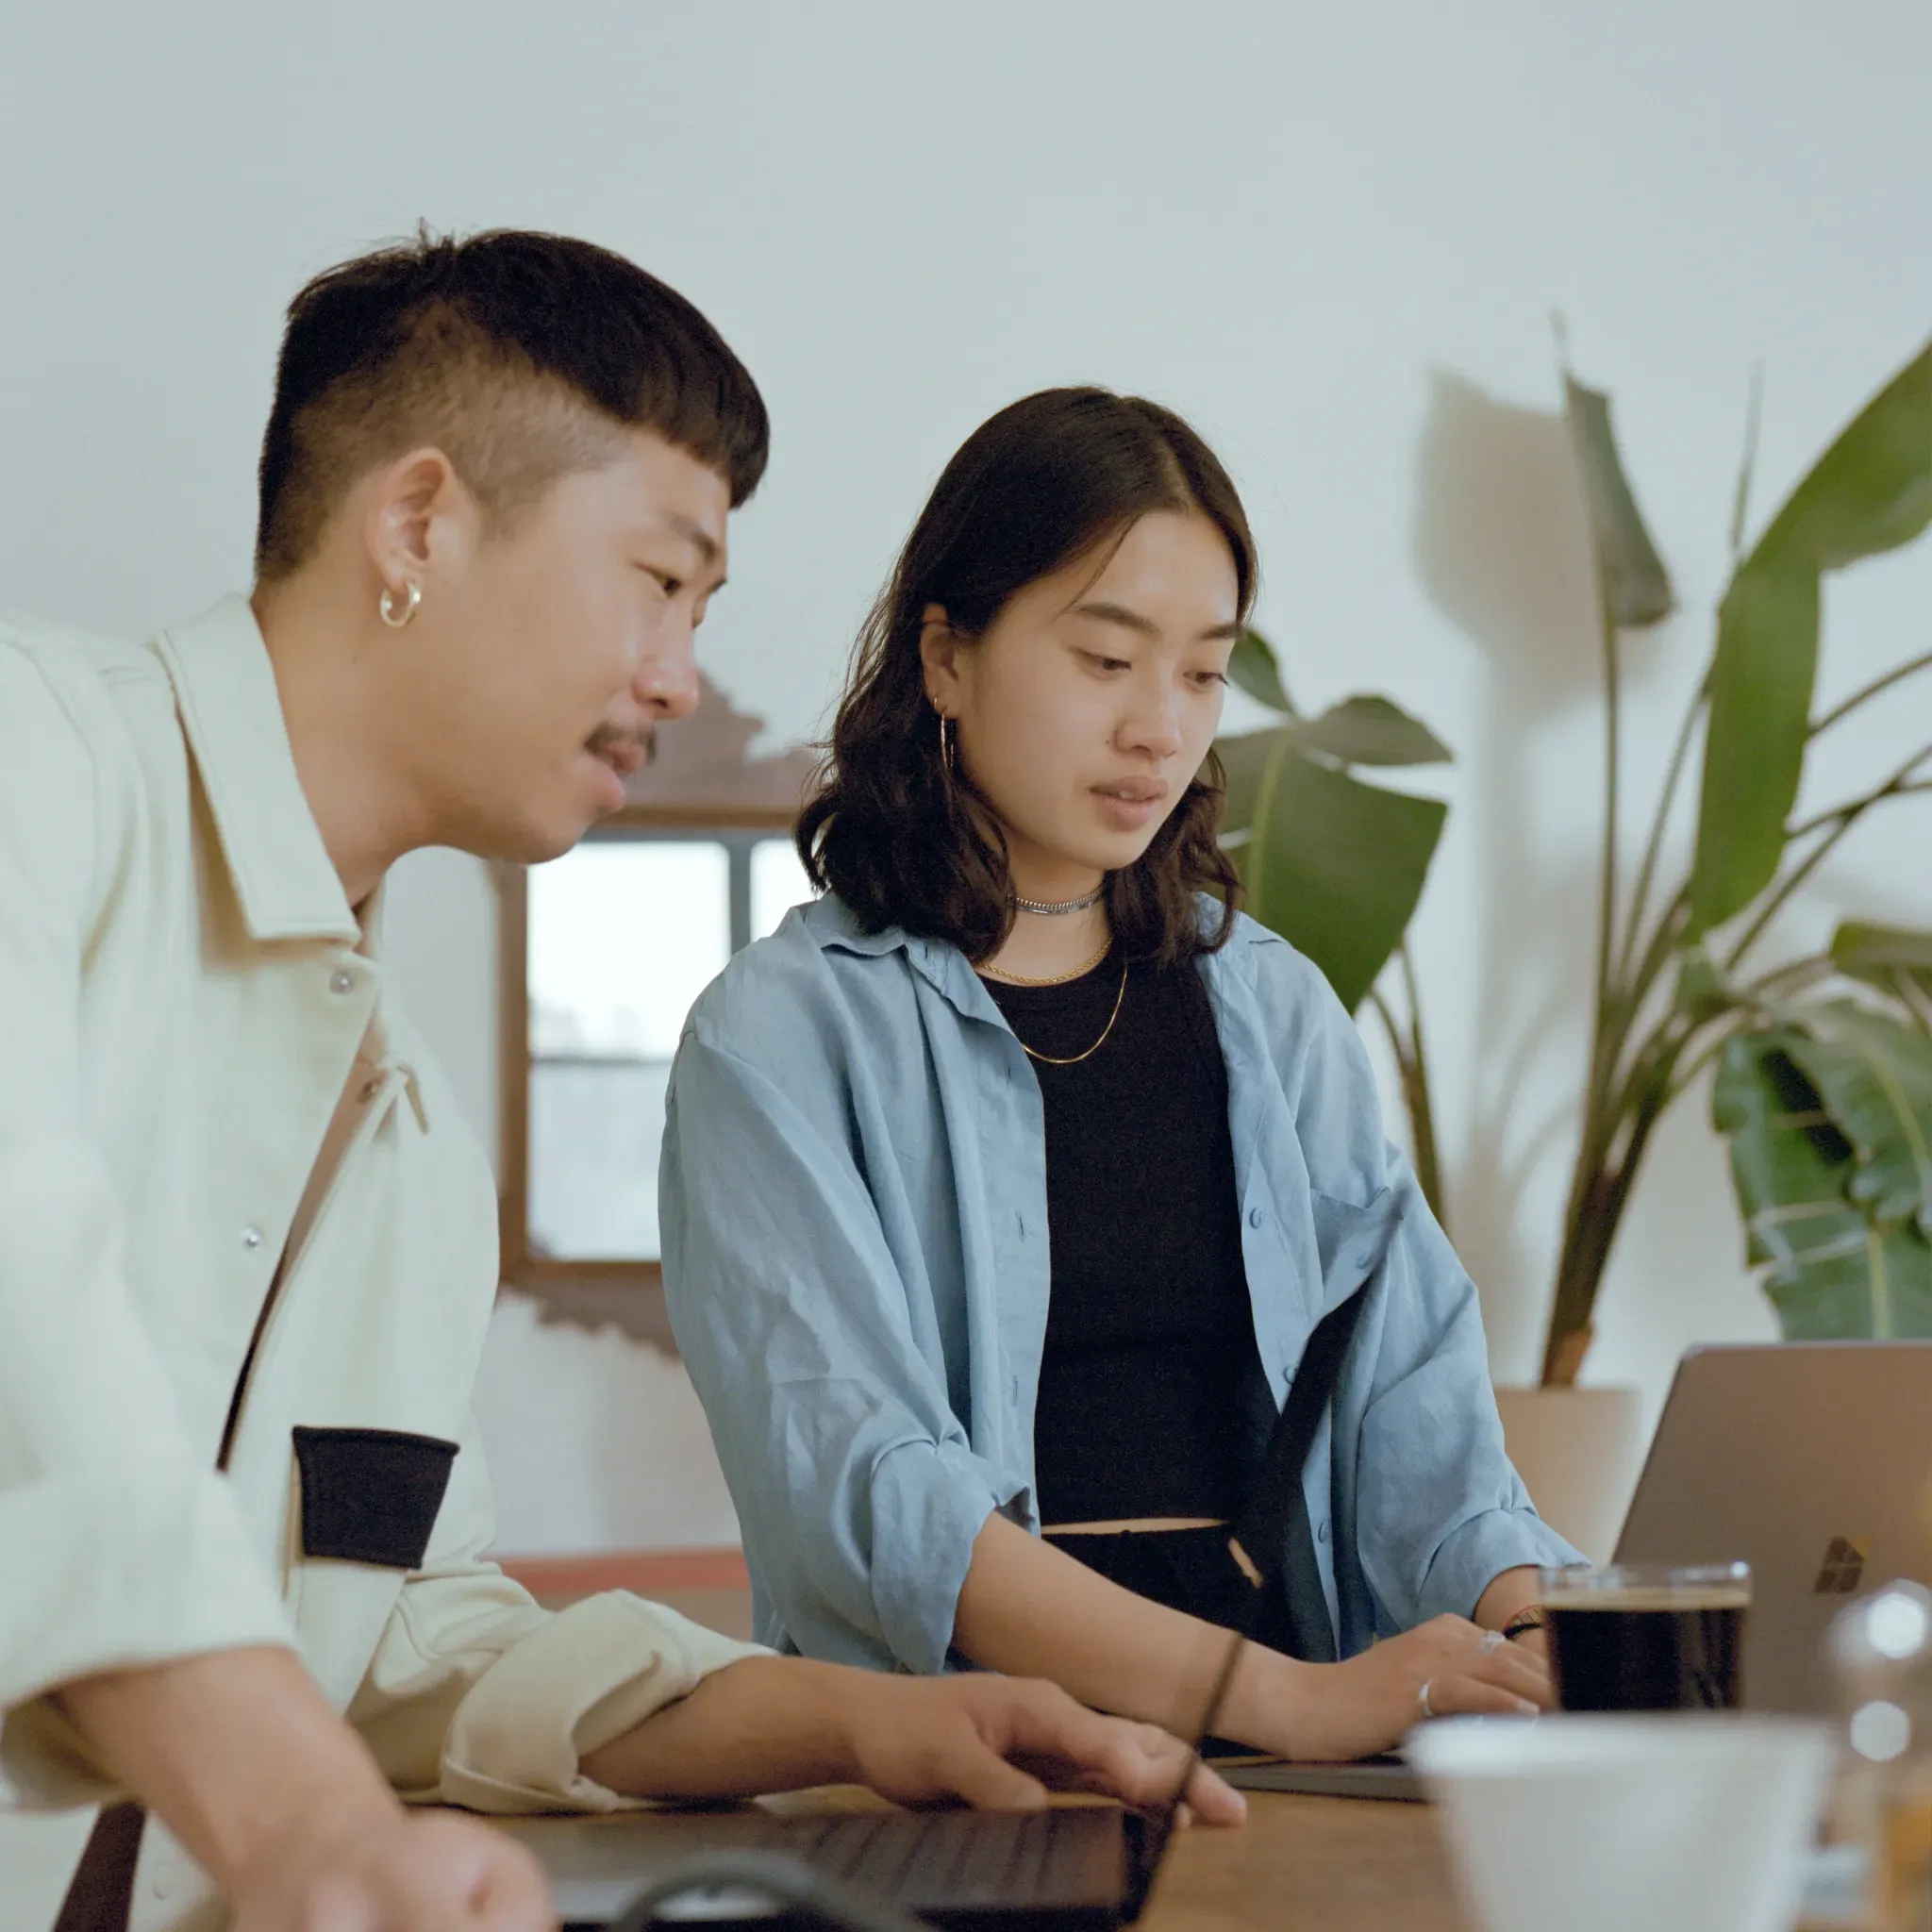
<point>1152,1399</point>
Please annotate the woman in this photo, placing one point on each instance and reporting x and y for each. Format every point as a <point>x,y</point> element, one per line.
<point>1005,1185</point>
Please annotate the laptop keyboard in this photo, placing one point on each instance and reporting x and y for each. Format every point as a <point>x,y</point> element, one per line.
<point>957,1856</point>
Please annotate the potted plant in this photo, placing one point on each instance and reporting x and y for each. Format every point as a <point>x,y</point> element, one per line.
<point>1679,983</point>
<point>1824,1064</point>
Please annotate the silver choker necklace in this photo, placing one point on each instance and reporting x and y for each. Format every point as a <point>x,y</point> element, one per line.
<point>1052,908</point>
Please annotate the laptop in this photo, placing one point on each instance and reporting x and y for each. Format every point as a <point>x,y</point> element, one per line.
<point>1082,1868</point>
<point>1810,1461</point>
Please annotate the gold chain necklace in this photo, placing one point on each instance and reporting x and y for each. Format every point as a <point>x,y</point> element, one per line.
<point>1079,972</point>
<point>1074,1059</point>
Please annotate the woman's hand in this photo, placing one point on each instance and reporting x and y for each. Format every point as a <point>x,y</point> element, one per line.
<point>1327,1712</point>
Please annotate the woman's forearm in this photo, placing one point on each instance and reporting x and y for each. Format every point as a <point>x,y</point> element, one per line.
<point>1507,1593</point>
<point>1027,1607</point>
<point>1028,1610</point>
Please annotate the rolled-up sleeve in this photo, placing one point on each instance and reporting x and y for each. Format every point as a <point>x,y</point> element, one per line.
<point>476,1697</point>
<point>1441,1511</point>
<point>859,1493</point>
<point>119,1545</point>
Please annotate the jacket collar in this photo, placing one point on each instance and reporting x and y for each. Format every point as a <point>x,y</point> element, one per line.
<point>834,926</point>
<point>225,690</point>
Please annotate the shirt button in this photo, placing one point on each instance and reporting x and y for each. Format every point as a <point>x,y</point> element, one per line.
<point>251,1238</point>
<point>1256,1216</point>
<point>1321,1533</point>
<point>341,982</point>
<point>1019,1224</point>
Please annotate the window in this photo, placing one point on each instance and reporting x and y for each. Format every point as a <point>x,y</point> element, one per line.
<point>604,951</point>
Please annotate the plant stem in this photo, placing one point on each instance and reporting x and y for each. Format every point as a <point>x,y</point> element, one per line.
<point>1636,988</point>
<point>1412,1066</point>
<point>1607,1171</point>
<point>1607,894</point>
<point>1857,804</point>
<point>1421,1110</point>
<point>1592,1209</point>
<point>1865,695</point>
<point>1812,967</point>
<point>1653,849</point>
<point>1846,816</point>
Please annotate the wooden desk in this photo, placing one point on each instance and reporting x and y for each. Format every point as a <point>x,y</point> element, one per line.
<point>1342,1864</point>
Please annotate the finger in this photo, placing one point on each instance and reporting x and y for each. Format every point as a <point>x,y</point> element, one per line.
<point>333,1903</point>
<point>1213,1800</point>
<point>968,1767</point>
<point>1529,1677</point>
<point>1475,1696</point>
<point>1066,1742</point>
<point>514,1896</point>
<point>424,1882</point>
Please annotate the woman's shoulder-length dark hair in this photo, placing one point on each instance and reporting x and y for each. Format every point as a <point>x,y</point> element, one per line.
<point>903,842</point>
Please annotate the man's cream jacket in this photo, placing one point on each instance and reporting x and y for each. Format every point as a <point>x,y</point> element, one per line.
<point>185,997</point>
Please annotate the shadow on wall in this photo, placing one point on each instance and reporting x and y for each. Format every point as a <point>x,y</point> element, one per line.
<point>1502,550</point>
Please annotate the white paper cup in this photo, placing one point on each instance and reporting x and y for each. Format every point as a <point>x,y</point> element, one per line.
<point>1692,1821</point>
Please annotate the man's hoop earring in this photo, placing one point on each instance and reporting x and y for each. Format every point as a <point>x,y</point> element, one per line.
<point>946,743</point>
<point>393,615</point>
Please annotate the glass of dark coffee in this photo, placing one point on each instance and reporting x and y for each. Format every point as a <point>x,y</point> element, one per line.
<point>1648,1635</point>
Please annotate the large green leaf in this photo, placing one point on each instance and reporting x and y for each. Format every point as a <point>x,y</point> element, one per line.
<point>1370,731</point>
<point>1244,758</point>
<point>1833,1274</point>
<point>1875,1074</point>
<point>1635,586</point>
<point>1871,491</point>
<point>1753,751</point>
<point>1892,957</point>
<point>1252,668</point>
<point>1335,866</point>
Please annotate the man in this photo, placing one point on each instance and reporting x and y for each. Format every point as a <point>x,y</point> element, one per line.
<point>246,1247</point>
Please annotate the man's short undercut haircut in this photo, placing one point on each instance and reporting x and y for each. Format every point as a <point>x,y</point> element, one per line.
<point>522,356</point>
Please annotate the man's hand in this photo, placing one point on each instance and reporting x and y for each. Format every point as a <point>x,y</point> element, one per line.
<point>774,1724</point>
<point>1002,1743</point>
<point>240,1753</point>
<point>432,1872</point>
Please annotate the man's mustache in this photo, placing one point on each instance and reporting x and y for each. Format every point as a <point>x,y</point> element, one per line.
<point>609,738</point>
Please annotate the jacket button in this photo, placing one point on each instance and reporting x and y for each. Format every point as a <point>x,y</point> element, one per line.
<point>251,1238</point>
<point>341,982</point>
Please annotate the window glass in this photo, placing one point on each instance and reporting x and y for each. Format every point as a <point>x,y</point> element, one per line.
<point>624,935</point>
<point>777,884</point>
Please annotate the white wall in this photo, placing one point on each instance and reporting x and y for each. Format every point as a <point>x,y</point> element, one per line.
<point>1331,235</point>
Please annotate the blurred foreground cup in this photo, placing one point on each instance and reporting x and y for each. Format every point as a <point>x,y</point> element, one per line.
<point>1680,1822</point>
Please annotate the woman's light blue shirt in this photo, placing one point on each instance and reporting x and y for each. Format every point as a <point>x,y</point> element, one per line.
<point>854,1207</point>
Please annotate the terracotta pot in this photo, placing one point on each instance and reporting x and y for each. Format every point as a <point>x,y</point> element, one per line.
<point>1579,1452</point>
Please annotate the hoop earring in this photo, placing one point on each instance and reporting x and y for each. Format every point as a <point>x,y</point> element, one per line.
<point>946,755</point>
<point>412,598</point>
